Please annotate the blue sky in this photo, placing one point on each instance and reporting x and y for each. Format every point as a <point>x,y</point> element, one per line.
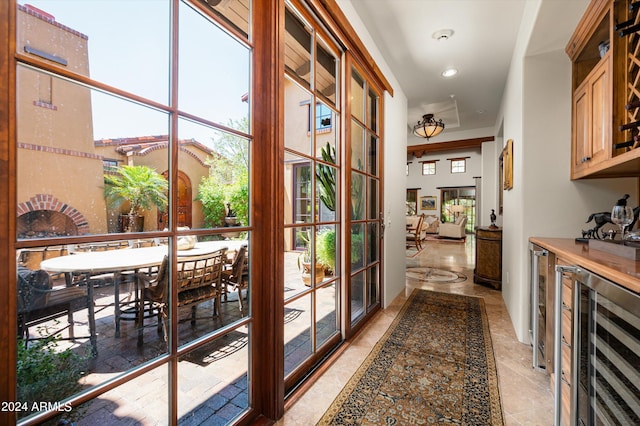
<point>129,48</point>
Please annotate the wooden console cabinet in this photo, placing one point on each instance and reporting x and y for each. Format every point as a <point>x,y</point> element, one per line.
<point>488,257</point>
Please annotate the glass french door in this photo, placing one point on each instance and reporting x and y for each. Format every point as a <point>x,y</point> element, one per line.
<point>463,196</point>
<point>312,207</point>
<point>363,198</point>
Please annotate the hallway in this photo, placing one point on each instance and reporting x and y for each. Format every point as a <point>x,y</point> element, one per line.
<point>526,395</point>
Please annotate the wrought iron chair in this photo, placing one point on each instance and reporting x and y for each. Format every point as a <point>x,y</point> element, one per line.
<point>40,302</point>
<point>237,276</point>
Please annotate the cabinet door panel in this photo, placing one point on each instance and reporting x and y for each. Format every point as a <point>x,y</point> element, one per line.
<point>600,113</point>
<point>581,143</point>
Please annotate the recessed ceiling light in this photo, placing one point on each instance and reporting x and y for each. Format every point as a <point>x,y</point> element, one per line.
<point>449,72</point>
<point>442,35</point>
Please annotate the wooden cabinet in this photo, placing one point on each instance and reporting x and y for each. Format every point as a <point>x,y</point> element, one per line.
<point>605,79</point>
<point>591,136</point>
<point>488,268</point>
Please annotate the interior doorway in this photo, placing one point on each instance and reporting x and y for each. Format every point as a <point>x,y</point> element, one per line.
<point>459,196</point>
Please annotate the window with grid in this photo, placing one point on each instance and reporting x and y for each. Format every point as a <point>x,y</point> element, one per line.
<point>429,168</point>
<point>458,165</point>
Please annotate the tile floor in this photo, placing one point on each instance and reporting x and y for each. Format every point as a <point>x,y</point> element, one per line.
<point>526,395</point>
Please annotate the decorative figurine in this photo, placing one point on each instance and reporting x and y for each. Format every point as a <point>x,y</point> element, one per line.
<point>602,218</point>
<point>492,216</point>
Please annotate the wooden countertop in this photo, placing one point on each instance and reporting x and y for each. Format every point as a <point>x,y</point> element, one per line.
<point>624,272</point>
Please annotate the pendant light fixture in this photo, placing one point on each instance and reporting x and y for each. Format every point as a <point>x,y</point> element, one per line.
<point>428,127</point>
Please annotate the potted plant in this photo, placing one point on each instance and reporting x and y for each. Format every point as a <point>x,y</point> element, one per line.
<point>140,186</point>
<point>305,261</point>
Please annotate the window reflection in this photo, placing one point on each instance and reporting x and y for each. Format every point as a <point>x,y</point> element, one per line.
<point>233,12</point>
<point>74,35</point>
<point>326,81</point>
<point>298,49</point>
<point>217,88</point>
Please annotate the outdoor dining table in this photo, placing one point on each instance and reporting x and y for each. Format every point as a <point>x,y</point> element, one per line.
<point>127,259</point>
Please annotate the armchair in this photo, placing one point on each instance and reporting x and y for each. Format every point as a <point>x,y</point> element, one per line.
<point>455,229</point>
<point>431,224</point>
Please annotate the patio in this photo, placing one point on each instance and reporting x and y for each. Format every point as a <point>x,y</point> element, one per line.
<point>213,379</point>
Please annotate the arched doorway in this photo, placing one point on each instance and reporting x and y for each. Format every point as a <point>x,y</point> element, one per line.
<point>184,203</point>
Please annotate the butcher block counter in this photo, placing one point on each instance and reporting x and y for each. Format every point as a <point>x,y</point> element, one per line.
<point>624,272</point>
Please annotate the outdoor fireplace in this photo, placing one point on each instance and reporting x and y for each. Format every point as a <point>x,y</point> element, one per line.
<point>45,224</point>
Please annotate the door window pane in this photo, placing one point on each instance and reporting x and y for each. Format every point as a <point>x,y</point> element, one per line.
<point>373,243</point>
<point>298,201</point>
<point>78,306</point>
<point>327,191</point>
<point>357,196</point>
<point>372,121</point>
<point>357,296</point>
<point>143,400</point>
<point>299,261</point>
<point>213,177</point>
<point>373,286</point>
<point>233,12</point>
<point>327,68</point>
<point>357,246</point>
<point>358,103</point>
<point>297,48</point>
<point>213,380</point>
<point>358,160</point>
<point>209,90</point>
<point>373,155</point>
<point>86,46</point>
<point>297,118</point>
<point>327,250</point>
<point>69,145</point>
<point>297,333</point>
<point>327,319</point>
<point>372,197</point>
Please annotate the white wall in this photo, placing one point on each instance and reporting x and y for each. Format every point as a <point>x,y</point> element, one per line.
<point>395,155</point>
<point>536,114</point>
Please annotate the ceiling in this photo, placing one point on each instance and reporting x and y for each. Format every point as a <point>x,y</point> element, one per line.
<point>480,48</point>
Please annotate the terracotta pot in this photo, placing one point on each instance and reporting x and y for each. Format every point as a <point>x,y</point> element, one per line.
<point>306,273</point>
<point>130,223</point>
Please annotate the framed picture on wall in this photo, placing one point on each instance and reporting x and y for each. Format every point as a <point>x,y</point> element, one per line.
<point>507,157</point>
<point>428,202</point>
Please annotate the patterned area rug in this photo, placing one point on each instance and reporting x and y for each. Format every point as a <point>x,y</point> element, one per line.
<point>434,365</point>
<point>435,275</point>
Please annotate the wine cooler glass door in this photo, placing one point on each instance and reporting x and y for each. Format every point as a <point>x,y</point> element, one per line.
<point>608,358</point>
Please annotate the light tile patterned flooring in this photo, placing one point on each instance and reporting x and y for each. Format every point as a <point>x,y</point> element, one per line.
<point>526,395</point>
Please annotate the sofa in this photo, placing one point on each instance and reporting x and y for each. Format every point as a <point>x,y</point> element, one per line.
<point>431,224</point>
<point>454,229</point>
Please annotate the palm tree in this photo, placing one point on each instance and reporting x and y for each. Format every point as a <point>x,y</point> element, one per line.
<point>141,186</point>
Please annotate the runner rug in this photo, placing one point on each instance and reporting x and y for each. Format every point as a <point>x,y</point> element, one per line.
<point>434,365</point>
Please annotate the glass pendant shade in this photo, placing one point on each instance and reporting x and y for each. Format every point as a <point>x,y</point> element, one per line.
<point>428,127</point>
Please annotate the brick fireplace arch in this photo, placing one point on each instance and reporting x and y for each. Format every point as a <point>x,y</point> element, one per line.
<point>50,208</point>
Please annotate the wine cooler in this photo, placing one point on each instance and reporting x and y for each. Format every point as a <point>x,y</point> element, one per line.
<point>606,352</point>
<point>541,309</point>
